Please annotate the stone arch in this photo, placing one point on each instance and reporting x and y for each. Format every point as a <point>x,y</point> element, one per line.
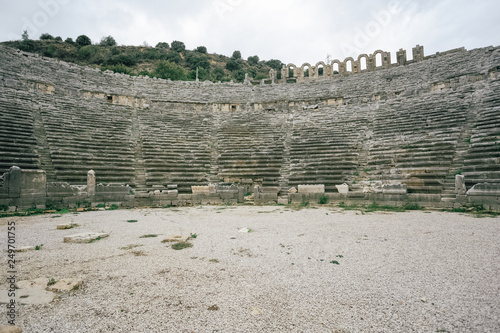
<point>322,72</point>
<point>380,59</point>
<point>336,67</point>
<point>291,71</point>
<point>306,70</point>
<point>349,65</point>
<point>364,62</point>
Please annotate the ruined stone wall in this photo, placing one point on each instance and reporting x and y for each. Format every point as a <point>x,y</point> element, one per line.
<point>416,125</point>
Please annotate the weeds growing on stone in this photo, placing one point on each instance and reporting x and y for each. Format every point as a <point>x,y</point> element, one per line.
<point>51,282</point>
<point>131,221</point>
<point>38,247</point>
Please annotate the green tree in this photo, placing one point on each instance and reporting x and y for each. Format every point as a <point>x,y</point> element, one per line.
<point>169,70</point>
<point>253,60</point>
<point>58,39</point>
<point>69,40</point>
<point>274,64</point>
<point>201,49</point>
<point>236,55</point>
<point>83,40</point>
<point>108,41</point>
<point>198,60</point>
<point>46,36</point>
<point>178,46</point>
<point>25,35</point>
<point>162,45</point>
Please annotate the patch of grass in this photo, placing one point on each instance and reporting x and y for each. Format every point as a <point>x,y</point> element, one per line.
<point>323,200</point>
<point>95,240</point>
<point>193,235</point>
<point>149,236</point>
<point>38,247</point>
<point>334,262</point>
<point>130,247</point>
<point>4,208</point>
<point>412,206</point>
<point>51,282</point>
<point>305,201</point>
<point>248,194</point>
<point>101,205</point>
<point>181,245</point>
<point>132,221</point>
<point>214,260</point>
<point>139,253</point>
<point>113,207</point>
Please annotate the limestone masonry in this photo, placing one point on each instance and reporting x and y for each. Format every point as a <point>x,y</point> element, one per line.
<point>366,129</point>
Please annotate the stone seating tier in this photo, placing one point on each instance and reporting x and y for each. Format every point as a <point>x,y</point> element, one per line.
<point>418,124</point>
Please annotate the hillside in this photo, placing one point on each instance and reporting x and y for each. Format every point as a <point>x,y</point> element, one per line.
<point>168,61</point>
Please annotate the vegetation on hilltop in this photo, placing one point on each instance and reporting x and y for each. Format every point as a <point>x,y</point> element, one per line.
<point>167,61</point>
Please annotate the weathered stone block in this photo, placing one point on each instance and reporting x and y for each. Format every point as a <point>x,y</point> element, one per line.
<point>84,237</point>
<point>343,189</point>
<point>394,189</point>
<point>480,189</point>
<point>282,201</point>
<point>15,182</point>
<point>303,189</point>
<point>200,190</point>
<point>91,183</point>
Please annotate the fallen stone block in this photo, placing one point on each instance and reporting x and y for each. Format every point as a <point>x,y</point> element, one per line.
<point>39,283</point>
<point>66,285</point>
<point>25,248</point>
<point>65,226</point>
<point>28,297</point>
<point>84,237</point>
<point>11,329</point>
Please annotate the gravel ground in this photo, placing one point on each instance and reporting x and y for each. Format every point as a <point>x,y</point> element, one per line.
<point>397,272</point>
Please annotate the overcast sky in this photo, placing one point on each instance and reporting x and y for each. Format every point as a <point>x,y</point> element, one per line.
<point>294,31</point>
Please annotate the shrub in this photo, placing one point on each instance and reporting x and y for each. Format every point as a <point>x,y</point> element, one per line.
<point>169,70</point>
<point>46,36</point>
<point>69,41</point>
<point>323,200</point>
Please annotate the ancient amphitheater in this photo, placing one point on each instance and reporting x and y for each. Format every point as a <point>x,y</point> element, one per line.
<point>425,130</point>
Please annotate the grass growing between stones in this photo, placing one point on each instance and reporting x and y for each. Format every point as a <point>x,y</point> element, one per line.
<point>374,207</point>
<point>149,236</point>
